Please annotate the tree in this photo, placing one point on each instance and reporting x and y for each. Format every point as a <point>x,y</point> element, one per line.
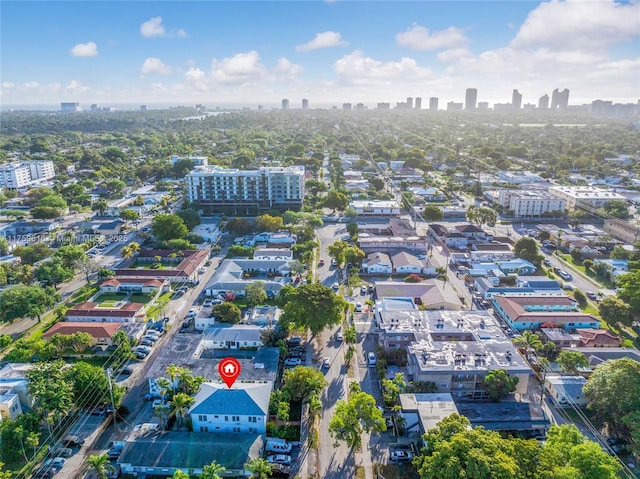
<point>302,382</point>
<point>614,310</point>
<point>45,212</point>
<point>32,254</point>
<point>528,341</point>
<point>255,293</point>
<point>178,474</point>
<point>26,301</point>
<point>432,213</point>
<point>336,200</point>
<point>212,471</point>
<point>52,394</point>
<point>52,201</point>
<point>314,306</point>
<point>617,208</point>
<point>354,255</point>
<point>100,206</point>
<point>53,271</point>
<point>4,246</point>
<point>315,186</point>
<point>190,217</point>
<point>352,229</point>
<point>70,255</point>
<point>182,166</point>
<point>100,465</point>
<point>129,215</point>
<point>268,223</point>
<point>238,226</point>
<point>580,297</point>
<point>353,417</point>
<point>482,215</point>
<point>259,468</point>
<point>297,267</point>
<point>88,266</point>
<point>570,361</point>
<point>180,405</point>
<point>629,284</point>
<point>337,251</point>
<point>499,384</point>
<point>168,226</point>
<point>226,312</point>
<point>84,377</point>
<point>527,249</point>
<point>80,341</point>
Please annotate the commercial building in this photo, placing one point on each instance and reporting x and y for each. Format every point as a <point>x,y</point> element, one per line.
<point>433,103</point>
<point>516,100</point>
<point>376,207</point>
<point>627,232</point>
<point>418,103</point>
<point>245,192</point>
<point>543,102</point>
<point>17,175</point>
<point>589,195</point>
<point>560,99</point>
<point>530,204</point>
<point>305,104</point>
<point>285,104</point>
<point>67,107</point>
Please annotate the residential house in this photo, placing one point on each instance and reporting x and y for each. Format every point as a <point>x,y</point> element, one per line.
<point>100,332</point>
<point>10,407</point>
<point>560,337</point>
<point>232,336</point>
<point>532,312</point>
<point>233,275</point>
<point>517,265</point>
<point>243,408</point>
<point>598,338</point>
<point>273,238</point>
<point>185,271</point>
<point>524,287</point>
<point>273,254</point>
<point>428,294</point>
<point>388,244</point>
<point>377,263</point>
<point>597,356</point>
<point>89,311</point>
<point>430,194</point>
<point>134,284</point>
<point>616,267</point>
<point>473,232</point>
<point>405,263</point>
<point>263,316</point>
<point>566,390</point>
<point>422,412</point>
<point>456,240</point>
<point>108,228</point>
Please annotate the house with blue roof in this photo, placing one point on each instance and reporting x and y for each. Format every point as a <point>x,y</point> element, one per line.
<point>243,408</point>
<point>517,265</point>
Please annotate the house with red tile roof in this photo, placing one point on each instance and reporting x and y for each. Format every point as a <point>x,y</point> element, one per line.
<point>134,284</point>
<point>93,312</point>
<point>185,271</point>
<point>101,332</point>
<point>598,338</point>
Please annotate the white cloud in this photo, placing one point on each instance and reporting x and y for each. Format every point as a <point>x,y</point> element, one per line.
<point>89,49</point>
<point>418,37</point>
<point>323,40</point>
<point>288,69</point>
<point>453,55</point>
<point>76,87</point>
<point>573,25</point>
<point>197,79</point>
<point>155,28</point>
<point>355,68</point>
<point>8,84</point>
<point>238,69</point>
<point>155,66</point>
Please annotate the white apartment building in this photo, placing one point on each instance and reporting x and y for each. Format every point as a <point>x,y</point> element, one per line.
<point>525,204</point>
<point>245,192</point>
<point>18,175</point>
<point>591,195</point>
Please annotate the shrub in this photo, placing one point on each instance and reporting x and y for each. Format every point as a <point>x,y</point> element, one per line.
<point>413,278</point>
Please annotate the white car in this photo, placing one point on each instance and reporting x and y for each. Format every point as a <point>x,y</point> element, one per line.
<point>339,336</point>
<point>279,459</point>
<point>326,363</point>
<point>335,286</point>
<point>358,307</point>
<point>399,456</point>
<point>158,402</point>
<point>292,362</point>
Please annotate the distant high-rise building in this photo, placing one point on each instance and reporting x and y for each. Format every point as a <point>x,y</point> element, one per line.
<point>483,105</point>
<point>67,107</point>
<point>409,102</point>
<point>470,99</point>
<point>453,106</point>
<point>285,104</point>
<point>560,99</point>
<point>360,106</point>
<point>418,105</point>
<point>516,100</point>
<point>143,107</point>
<point>305,104</point>
<point>346,106</point>
<point>384,106</point>
<point>433,103</point>
<point>543,102</point>
<point>94,107</point>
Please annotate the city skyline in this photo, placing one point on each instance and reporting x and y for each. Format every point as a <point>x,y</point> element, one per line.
<point>250,53</point>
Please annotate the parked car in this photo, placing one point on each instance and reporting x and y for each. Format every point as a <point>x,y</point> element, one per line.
<point>143,348</point>
<point>207,303</point>
<point>294,341</point>
<point>591,295</point>
<point>55,461</point>
<point>363,289</point>
<point>335,286</point>
<point>146,342</point>
<point>277,445</point>
<point>150,337</point>
<point>401,456</point>
<point>547,262</point>
<point>72,441</point>
<point>153,332</point>
<point>61,452</point>
<point>339,336</point>
<point>326,363</point>
<point>193,312</point>
<point>358,307</point>
<point>279,459</point>
<point>292,362</point>
<point>321,263</point>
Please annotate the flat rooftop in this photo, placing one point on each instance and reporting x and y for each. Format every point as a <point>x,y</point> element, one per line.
<point>504,415</point>
<point>431,408</point>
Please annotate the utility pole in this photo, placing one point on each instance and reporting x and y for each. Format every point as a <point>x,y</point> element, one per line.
<point>115,415</point>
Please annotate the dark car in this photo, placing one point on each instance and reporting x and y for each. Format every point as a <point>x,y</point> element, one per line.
<point>72,441</point>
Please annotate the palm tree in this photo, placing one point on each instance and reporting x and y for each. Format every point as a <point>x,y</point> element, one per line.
<point>528,341</point>
<point>101,465</point>
<point>180,475</point>
<point>165,387</point>
<point>181,404</point>
<point>174,372</point>
<point>212,471</point>
<point>259,468</point>
<point>33,440</point>
<point>126,252</point>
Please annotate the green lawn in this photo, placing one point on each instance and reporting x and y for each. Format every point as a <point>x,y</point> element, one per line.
<point>156,310</point>
<point>140,298</point>
<point>110,297</point>
<point>108,304</point>
<point>598,279</point>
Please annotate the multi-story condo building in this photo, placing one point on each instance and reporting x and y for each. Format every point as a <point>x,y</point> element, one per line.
<point>245,192</point>
<point>516,100</point>
<point>433,103</point>
<point>285,104</point>
<point>530,204</point>
<point>66,107</point>
<point>18,175</point>
<point>560,99</point>
<point>589,195</point>
<point>418,103</point>
<point>470,99</point>
<point>543,102</point>
<point>305,104</point>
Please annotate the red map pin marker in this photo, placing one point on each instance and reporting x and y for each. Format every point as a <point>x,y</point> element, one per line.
<point>229,369</point>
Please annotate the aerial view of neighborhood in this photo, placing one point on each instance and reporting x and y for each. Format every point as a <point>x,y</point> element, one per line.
<point>320,287</point>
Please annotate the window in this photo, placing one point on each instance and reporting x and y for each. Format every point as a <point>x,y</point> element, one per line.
<point>204,429</point>
<point>236,429</point>
<point>253,419</point>
<point>202,417</point>
<point>226,418</point>
<point>253,429</point>
<point>235,418</point>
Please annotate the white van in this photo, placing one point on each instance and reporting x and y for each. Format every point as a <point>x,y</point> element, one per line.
<point>372,359</point>
<point>279,446</point>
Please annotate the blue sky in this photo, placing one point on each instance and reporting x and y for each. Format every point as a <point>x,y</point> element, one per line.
<point>250,53</point>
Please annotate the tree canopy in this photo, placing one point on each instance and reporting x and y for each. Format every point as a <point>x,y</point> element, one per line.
<point>314,306</point>
<point>168,226</point>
